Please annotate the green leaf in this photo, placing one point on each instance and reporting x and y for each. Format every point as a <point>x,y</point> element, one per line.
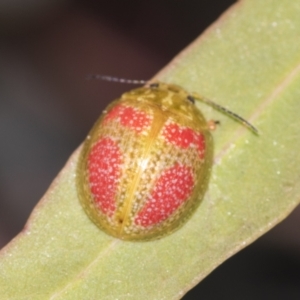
<point>248,61</point>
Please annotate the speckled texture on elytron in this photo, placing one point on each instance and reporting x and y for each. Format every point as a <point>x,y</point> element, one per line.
<point>145,164</point>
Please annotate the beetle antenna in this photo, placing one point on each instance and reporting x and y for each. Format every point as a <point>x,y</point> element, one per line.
<point>116,79</point>
<point>226,111</point>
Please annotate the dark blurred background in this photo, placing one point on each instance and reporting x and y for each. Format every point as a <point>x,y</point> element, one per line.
<point>47,47</point>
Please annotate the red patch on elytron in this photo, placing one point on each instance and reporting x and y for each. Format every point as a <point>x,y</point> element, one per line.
<point>104,169</point>
<point>199,140</point>
<point>170,191</point>
<point>129,117</point>
<point>184,137</point>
